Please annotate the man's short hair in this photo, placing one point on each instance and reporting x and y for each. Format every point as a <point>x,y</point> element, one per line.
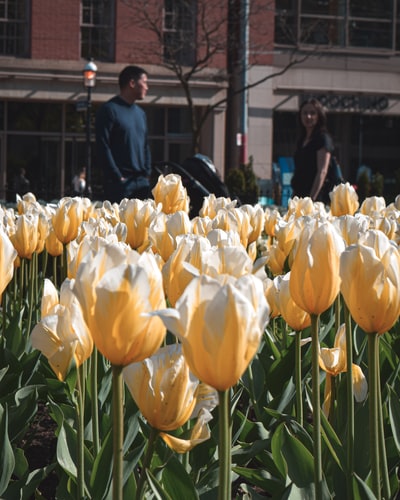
<point>130,73</point>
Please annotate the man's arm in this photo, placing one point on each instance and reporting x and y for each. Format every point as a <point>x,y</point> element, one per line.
<point>104,125</point>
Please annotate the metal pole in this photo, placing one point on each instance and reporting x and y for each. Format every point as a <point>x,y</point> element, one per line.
<point>244,97</point>
<point>88,145</point>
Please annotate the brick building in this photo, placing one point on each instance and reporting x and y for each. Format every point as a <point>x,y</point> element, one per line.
<point>350,51</point>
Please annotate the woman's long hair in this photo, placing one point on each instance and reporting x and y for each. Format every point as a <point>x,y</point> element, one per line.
<point>321,125</point>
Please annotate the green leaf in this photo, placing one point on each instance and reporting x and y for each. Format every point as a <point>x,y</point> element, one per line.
<point>24,410</point>
<point>299,460</point>
<point>67,449</point>
<point>7,459</point>
<point>332,442</point>
<point>262,479</point>
<point>100,479</point>
<point>361,490</point>
<point>177,482</point>
<point>276,449</point>
<point>21,463</point>
<point>394,415</point>
<point>156,487</point>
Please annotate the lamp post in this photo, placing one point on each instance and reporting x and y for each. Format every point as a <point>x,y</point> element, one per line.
<point>89,81</point>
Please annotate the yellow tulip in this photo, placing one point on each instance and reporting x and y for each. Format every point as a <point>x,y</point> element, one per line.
<point>271,217</point>
<point>314,277</point>
<point>53,245</point>
<point>26,202</point>
<point>166,392</point>
<point>137,215</point>
<point>43,231</point>
<point>25,237</point>
<point>334,361</point>
<point>220,327</point>
<point>370,274</point>
<point>120,326</point>
<point>299,207</point>
<point>201,225</point>
<point>176,274</point>
<point>8,254</point>
<point>286,234</point>
<point>68,218</point>
<point>373,205</point>
<point>212,204</point>
<point>165,229</point>
<point>257,221</point>
<point>61,335</point>
<point>89,260</point>
<point>344,200</point>
<point>295,317</point>
<point>271,294</point>
<point>171,194</point>
<point>351,227</point>
<point>231,260</point>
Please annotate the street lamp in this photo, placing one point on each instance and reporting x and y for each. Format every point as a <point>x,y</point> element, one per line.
<point>89,81</point>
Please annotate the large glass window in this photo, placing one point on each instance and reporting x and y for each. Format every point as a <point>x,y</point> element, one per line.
<point>14,28</point>
<point>179,31</point>
<point>338,23</point>
<point>170,134</point>
<point>97,29</point>
<point>34,116</point>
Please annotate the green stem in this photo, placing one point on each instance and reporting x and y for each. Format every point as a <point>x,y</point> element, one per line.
<point>298,381</point>
<point>337,312</point>
<point>350,403</point>
<point>94,402</point>
<point>32,274</point>
<point>118,431</point>
<point>54,259</point>
<point>146,461</point>
<point>382,446</point>
<point>80,432</point>
<point>316,406</point>
<point>224,450</point>
<point>373,414</point>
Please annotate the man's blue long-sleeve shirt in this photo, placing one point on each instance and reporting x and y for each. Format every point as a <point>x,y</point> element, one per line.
<point>121,138</point>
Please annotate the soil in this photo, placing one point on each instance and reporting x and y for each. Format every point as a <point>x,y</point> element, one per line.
<point>39,445</point>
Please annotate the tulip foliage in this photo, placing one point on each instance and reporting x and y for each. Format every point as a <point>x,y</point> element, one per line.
<point>242,353</point>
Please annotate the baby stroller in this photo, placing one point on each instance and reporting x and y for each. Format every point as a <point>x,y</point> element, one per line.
<point>199,177</point>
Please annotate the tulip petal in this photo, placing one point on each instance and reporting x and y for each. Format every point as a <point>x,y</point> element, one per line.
<point>360,384</point>
<point>199,434</point>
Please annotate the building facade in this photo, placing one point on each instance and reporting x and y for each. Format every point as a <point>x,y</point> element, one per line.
<point>346,52</point>
<point>44,47</point>
<point>351,53</point>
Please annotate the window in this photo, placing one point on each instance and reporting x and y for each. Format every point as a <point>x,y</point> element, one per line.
<point>97,29</point>
<point>170,134</point>
<point>14,27</point>
<point>337,23</point>
<point>179,31</point>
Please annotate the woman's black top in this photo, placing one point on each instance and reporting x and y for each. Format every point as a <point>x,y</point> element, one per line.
<point>305,163</point>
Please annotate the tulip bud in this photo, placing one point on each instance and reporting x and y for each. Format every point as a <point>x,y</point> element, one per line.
<point>314,277</point>
<point>61,335</point>
<point>168,394</point>
<point>370,274</point>
<point>67,219</point>
<point>344,200</point>
<point>120,325</point>
<point>220,327</point>
<point>169,191</point>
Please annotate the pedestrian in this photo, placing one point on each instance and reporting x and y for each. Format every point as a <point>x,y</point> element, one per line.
<point>313,153</point>
<point>121,139</point>
<point>79,183</point>
<point>21,183</point>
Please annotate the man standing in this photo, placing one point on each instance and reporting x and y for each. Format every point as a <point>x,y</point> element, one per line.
<point>121,139</point>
